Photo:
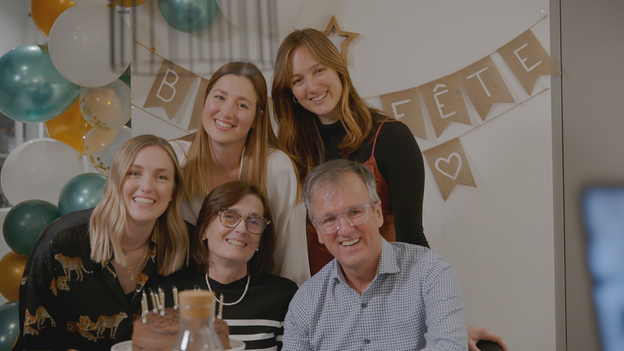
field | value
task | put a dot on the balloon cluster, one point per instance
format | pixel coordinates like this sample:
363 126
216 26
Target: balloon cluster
84 102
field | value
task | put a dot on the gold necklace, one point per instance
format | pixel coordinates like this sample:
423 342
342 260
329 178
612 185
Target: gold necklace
141 264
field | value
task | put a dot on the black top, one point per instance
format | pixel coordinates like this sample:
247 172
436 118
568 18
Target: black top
258 319
400 162
68 301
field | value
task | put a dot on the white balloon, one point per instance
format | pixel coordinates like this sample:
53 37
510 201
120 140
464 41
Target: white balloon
38 169
80 45
244 13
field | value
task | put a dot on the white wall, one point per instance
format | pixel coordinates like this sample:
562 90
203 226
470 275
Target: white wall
499 236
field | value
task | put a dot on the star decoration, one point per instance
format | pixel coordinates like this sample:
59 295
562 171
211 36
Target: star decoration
344 46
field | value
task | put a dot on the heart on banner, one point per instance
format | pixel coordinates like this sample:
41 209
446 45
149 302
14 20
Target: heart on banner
447 161
449 166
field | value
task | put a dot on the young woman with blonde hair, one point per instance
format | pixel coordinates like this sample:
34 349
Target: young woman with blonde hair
235 141
83 281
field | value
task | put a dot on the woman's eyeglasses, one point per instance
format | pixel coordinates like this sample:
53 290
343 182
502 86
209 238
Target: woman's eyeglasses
230 219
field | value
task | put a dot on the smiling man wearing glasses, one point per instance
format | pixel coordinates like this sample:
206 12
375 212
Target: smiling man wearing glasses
374 295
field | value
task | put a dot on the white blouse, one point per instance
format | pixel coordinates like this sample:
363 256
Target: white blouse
289 215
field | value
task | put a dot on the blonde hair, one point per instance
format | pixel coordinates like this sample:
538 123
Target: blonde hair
260 138
298 134
108 219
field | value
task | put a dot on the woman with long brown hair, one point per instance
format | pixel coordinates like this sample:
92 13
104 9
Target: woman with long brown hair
321 117
235 141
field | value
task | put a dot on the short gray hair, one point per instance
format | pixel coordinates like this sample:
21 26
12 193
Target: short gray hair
331 173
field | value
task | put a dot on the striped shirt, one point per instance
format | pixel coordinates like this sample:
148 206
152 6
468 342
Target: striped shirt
258 320
413 303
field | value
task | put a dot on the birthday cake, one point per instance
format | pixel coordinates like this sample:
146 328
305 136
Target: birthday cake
159 331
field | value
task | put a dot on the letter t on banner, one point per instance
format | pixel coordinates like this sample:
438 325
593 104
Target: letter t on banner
405 106
484 85
528 60
449 166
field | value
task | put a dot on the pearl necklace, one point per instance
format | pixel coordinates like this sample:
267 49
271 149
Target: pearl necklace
221 299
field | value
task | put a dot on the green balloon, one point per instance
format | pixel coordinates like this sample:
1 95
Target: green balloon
9 325
81 192
189 16
25 221
31 89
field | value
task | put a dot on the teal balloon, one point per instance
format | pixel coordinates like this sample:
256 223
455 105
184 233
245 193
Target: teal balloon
81 192
9 325
25 221
125 77
31 89
188 16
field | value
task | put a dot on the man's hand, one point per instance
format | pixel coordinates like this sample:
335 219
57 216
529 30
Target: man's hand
476 334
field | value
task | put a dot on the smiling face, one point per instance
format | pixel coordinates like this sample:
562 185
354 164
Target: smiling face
229 110
148 187
234 246
357 248
316 86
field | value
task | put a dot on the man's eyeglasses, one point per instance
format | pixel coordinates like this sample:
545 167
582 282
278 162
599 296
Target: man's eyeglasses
329 223
230 219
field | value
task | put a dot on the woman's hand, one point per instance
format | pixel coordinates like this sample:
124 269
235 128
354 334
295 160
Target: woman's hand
476 334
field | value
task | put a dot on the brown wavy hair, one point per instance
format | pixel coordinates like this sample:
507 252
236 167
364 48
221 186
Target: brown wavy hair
298 134
227 195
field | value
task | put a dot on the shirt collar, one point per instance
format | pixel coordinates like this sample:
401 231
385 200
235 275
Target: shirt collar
387 264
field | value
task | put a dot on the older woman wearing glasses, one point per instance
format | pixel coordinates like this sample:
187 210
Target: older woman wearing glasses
232 251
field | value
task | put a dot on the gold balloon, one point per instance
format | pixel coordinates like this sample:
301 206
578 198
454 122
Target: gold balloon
129 3
11 270
45 12
69 127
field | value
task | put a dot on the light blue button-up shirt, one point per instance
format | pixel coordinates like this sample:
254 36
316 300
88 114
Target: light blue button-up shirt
413 303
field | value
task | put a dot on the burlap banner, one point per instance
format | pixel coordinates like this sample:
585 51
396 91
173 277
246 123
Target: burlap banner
444 102
484 85
528 60
170 90
405 106
449 166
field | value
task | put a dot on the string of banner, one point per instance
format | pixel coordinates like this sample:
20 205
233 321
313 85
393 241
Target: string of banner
443 101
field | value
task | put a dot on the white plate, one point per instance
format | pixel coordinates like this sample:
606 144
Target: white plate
127 346
122 346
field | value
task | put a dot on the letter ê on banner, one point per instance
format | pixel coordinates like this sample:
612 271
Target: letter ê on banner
445 103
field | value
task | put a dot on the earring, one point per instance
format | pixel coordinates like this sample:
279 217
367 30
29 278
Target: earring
295 100
205 240
257 248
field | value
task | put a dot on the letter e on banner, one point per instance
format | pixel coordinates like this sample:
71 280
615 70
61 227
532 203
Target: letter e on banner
405 106
484 85
528 60
170 87
445 103
449 166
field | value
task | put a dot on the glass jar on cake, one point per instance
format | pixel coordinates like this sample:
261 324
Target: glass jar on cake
197 332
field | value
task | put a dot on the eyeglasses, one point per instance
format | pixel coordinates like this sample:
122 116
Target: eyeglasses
329 223
230 219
